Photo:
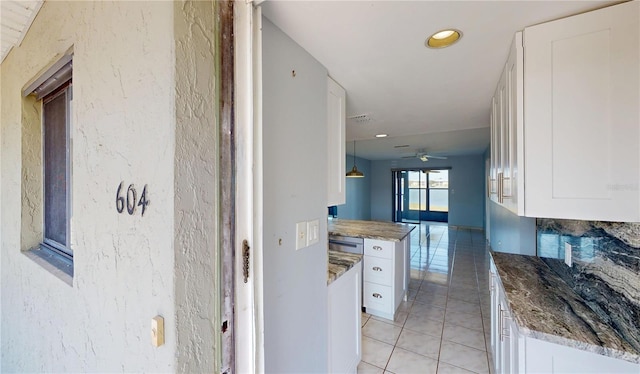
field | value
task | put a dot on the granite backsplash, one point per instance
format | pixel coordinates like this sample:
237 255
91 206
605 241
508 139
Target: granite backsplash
605 271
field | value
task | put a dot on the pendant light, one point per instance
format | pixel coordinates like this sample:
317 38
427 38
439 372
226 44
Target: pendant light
355 173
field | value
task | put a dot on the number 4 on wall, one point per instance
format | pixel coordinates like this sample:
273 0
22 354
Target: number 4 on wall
131 198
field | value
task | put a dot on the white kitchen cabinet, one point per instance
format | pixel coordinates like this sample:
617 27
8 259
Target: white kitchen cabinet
546 357
506 177
345 344
386 276
514 352
505 338
336 142
582 117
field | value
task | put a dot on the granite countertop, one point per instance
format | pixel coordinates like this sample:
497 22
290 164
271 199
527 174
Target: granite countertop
369 229
339 263
546 308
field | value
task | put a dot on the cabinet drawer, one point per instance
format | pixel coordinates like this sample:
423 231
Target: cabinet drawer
378 248
378 297
378 270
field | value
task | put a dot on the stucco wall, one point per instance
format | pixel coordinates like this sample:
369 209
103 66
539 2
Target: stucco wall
124 129
196 189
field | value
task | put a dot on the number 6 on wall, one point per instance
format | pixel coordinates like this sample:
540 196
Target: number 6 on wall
130 201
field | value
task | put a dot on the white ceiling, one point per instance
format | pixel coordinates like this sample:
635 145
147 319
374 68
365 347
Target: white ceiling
15 19
436 100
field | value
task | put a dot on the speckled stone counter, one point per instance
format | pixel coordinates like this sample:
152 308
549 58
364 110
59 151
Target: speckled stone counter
340 263
546 308
369 229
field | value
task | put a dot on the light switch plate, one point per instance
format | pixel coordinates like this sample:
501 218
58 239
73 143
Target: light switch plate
567 254
157 331
313 228
301 235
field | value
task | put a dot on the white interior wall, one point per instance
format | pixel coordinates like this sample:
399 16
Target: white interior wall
124 129
295 142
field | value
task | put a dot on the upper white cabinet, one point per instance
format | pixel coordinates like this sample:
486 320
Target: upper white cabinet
582 116
336 118
506 180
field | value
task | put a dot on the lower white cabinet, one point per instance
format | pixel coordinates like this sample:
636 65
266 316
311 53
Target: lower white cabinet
513 352
506 341
386 276
345 344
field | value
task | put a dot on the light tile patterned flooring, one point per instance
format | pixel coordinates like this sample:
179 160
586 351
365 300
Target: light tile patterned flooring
444 327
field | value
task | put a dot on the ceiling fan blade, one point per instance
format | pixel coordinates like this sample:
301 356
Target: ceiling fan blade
408 157
437 157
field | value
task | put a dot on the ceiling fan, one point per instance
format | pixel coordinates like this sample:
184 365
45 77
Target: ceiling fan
424 156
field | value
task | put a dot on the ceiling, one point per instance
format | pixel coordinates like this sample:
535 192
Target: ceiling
15 19
434 100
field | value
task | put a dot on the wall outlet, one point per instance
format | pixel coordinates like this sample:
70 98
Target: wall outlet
301 235
157 331
313 228
567 254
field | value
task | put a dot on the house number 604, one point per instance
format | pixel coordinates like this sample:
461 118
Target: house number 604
130 200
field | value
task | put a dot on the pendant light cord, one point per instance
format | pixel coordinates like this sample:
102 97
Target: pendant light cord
354 153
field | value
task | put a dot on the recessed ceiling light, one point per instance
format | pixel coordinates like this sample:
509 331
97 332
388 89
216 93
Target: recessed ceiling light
443 38
381 135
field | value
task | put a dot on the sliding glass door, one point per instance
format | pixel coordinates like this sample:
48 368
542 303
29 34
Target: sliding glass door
421 195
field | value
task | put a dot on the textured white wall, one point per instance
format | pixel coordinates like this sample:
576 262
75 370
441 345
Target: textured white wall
123 130
196 189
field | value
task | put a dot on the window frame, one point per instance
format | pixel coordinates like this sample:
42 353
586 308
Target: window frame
63 249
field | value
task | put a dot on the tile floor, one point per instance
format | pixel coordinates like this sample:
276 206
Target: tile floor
444 327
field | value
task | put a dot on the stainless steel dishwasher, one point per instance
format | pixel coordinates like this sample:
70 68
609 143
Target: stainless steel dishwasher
350 245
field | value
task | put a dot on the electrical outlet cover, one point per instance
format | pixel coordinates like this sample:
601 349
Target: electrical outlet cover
567 254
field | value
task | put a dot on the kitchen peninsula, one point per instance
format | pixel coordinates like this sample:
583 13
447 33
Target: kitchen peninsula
385 247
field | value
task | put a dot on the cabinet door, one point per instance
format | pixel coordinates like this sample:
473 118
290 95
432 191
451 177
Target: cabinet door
493 170
494 317
345 348
496 145
379 248
512 181
546 357
336 119
378 270
504 340
503 157
582 117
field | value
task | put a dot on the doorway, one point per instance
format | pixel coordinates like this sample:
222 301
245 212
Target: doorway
420 195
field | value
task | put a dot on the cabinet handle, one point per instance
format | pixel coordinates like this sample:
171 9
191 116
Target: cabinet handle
377 248
377 268
500 321
502 195
500 176
377 295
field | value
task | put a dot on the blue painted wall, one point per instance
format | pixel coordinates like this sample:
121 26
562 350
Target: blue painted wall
466 188
358 191
509 232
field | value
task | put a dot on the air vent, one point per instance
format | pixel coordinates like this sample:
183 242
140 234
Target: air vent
361 118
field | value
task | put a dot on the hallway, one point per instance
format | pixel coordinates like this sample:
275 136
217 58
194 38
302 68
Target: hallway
444 327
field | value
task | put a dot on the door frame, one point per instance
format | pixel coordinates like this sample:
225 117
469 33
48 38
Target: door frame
247 293
423 215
